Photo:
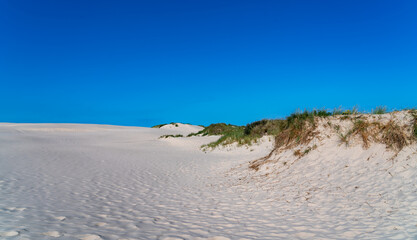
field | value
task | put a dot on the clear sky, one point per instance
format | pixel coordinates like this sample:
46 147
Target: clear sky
148 62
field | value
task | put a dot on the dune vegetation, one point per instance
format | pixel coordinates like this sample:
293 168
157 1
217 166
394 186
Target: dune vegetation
171 136
300 128
161 125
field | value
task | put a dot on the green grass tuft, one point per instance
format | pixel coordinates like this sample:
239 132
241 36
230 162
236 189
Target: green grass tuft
242 135
216 129
229 134
353 111
379 110
337 111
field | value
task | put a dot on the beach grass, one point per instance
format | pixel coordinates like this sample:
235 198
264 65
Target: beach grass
300 128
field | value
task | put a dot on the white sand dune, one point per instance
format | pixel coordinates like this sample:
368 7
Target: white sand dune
107 182
180 128
69 181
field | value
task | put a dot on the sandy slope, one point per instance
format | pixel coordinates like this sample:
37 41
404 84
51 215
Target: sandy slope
107 182
92 182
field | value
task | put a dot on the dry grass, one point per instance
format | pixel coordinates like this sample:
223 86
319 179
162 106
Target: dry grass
297 129
302 152
300 129
255 165
365 130
394 136
295 136
414 123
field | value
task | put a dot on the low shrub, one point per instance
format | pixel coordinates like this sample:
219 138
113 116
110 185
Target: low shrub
159 125
170 135
216 129
264 127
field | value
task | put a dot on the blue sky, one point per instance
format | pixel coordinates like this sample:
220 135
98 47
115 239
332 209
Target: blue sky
147 62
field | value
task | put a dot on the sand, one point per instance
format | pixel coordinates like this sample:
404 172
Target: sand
71 181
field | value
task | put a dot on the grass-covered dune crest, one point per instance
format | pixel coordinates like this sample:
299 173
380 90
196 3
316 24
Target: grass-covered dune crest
394 129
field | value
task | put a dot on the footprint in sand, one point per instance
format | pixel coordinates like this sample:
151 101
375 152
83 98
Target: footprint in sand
52 234
100 224
305 235
60 218
9 234
218 238
349 234
89 237
199 232
13 209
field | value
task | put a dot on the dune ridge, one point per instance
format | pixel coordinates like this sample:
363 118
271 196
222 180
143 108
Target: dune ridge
70 181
